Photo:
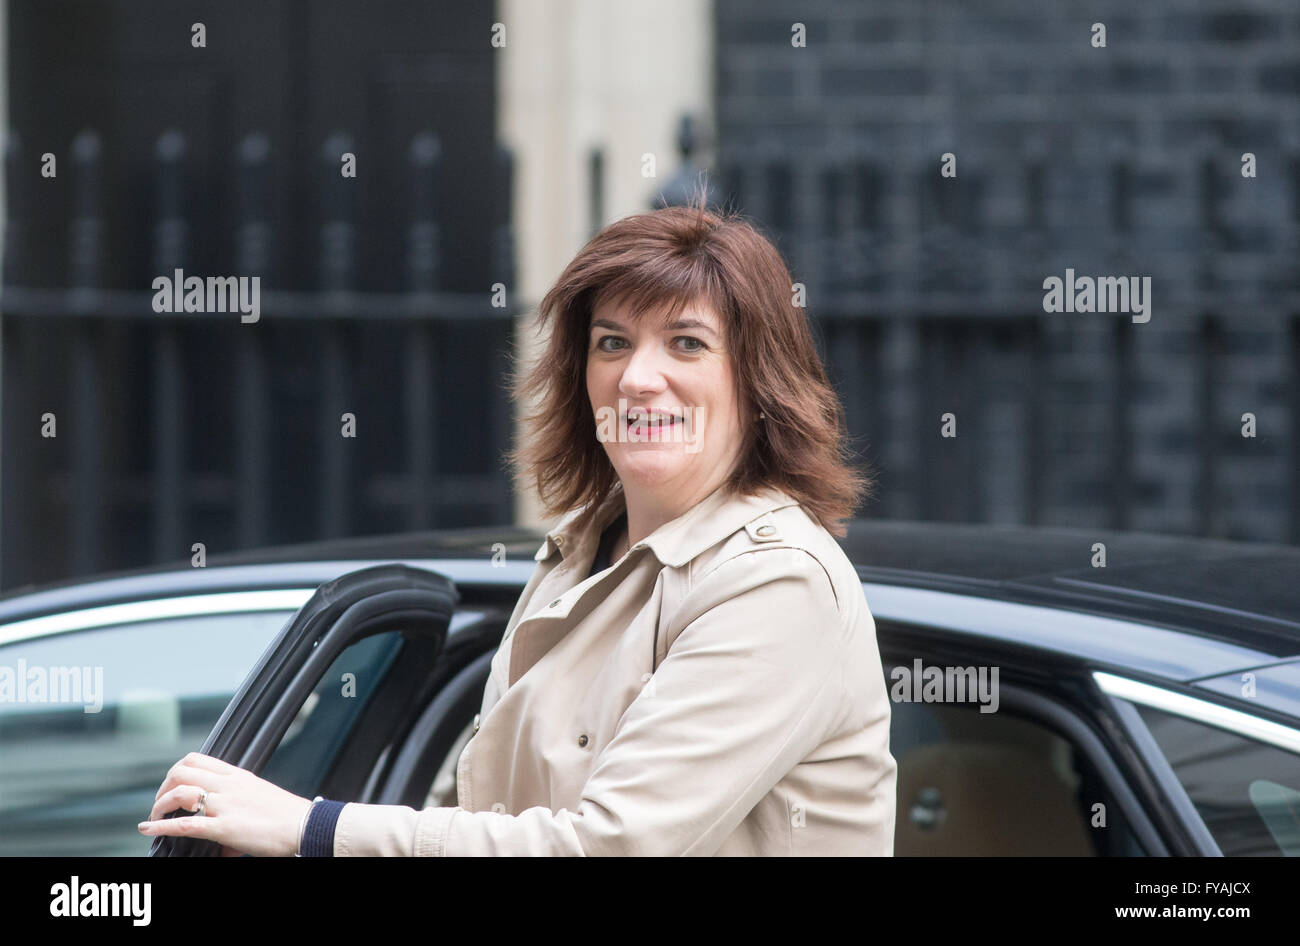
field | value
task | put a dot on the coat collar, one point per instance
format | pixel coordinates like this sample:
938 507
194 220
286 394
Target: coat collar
674 543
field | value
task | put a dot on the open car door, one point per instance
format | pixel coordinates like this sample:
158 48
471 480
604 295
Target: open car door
336 697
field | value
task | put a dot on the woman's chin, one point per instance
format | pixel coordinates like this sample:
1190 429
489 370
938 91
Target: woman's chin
648 468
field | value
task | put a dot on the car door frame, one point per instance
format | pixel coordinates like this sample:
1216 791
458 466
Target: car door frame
417 603
431 738
1055 692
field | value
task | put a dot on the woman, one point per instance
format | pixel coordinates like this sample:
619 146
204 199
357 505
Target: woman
692 667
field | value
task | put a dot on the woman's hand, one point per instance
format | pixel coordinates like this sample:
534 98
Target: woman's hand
244 814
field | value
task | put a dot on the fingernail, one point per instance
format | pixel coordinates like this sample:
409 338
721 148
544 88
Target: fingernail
143 826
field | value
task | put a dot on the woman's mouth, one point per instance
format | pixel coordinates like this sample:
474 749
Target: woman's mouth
650 420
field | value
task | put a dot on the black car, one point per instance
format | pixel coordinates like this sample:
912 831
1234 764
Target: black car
1055 692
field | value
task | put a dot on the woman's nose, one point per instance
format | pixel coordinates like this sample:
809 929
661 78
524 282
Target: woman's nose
643 373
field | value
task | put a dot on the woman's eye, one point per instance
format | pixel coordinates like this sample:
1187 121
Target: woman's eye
695 343
601 342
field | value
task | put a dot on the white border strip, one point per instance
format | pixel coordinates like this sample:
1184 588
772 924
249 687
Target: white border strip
1203 711
289 599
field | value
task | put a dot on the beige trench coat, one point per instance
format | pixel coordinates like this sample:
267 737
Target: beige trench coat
717 691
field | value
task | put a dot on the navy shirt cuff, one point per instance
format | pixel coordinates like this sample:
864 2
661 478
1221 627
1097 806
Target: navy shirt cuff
318 836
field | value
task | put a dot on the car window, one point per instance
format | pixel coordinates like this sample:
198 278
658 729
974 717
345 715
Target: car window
995 784
312 743
91 720
1247 792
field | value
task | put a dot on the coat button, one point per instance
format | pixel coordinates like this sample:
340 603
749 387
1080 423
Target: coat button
476 715
582 740
765 530
554 603
559 540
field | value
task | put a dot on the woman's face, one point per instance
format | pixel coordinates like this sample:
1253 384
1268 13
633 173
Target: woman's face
663 395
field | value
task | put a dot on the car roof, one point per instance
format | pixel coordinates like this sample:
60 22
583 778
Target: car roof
1242 594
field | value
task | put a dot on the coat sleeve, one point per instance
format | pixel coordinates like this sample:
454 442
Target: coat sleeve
751 684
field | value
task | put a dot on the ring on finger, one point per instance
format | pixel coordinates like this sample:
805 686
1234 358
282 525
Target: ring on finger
203 803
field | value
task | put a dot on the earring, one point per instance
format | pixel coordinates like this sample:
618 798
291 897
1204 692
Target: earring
761 415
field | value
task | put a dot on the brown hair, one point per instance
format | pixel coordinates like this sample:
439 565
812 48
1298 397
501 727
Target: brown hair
664 260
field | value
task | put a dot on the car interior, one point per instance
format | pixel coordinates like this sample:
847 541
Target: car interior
995 784
969 784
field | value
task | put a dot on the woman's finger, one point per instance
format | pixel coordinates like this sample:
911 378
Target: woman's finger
186 775
200 761
182 796
186 768
192 826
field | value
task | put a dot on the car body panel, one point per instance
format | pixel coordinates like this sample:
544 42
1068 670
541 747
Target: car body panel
1148 649
1276 687
1140 648
1243 594
1187 615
